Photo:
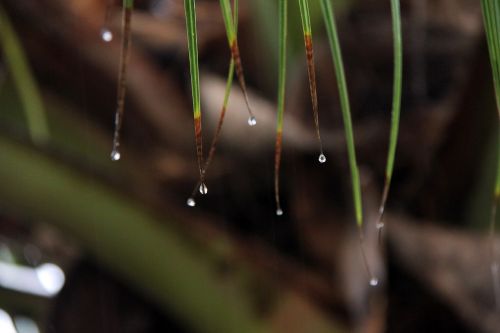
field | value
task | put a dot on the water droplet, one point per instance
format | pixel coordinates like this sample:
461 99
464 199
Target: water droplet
115 155
373 282
203 188
322 158
106 35
252 121
279 211
380 225
190 202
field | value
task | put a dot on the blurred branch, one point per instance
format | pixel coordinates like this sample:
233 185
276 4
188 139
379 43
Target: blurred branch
26 86
125 237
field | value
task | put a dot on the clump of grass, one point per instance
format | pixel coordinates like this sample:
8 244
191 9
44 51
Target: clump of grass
491 14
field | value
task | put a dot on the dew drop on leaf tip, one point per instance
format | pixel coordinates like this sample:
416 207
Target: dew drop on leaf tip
190 202
115 155
252 121
106 35
322 158
203 188
279 211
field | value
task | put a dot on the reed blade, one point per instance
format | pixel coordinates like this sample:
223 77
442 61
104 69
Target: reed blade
122 76
283 27
232 36
311 70
396 107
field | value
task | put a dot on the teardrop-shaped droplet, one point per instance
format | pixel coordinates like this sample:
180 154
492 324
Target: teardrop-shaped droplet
279 211
373 282
322 158
106 35
252 121
203 188
190 202
115 155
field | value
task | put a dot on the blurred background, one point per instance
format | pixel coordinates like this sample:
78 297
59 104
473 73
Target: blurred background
91 245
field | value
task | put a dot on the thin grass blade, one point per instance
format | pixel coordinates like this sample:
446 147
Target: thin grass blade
311 70
283 28
128 6
23 79
232 36
192 37
396 107
331 29
213 146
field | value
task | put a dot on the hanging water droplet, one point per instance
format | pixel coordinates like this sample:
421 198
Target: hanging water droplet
106 35
279 211
252 121
115 155
203 188
190 202
322 158
373 282
380 225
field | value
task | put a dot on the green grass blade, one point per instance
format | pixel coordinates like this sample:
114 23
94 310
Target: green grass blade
190 10
491 14
23 78
122 76
283 27
213 146
231 30
331 29
396 105
308 41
